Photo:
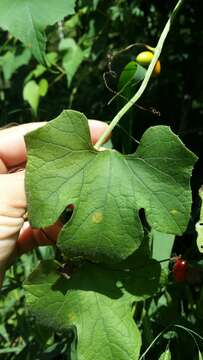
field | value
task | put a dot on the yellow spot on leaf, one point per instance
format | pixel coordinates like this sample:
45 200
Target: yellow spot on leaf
71 317
174 212
97 217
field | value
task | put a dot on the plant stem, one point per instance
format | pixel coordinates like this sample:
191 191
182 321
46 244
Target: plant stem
145 81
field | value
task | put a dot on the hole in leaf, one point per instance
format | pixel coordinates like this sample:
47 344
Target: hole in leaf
66 214
143 220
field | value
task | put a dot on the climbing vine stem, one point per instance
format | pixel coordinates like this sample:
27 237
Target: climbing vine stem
133 100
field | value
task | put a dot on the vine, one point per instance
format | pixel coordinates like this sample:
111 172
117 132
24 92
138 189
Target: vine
157 52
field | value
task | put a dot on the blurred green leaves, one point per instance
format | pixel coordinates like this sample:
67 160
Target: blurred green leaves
72 57
27 21
10 62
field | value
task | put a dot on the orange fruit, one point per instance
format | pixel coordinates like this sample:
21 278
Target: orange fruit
145 57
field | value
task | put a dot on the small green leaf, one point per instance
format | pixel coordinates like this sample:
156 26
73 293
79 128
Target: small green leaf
43 87
131 75
93 303
107 188
31 95
33 91
72 58
199 224
27 20
166 355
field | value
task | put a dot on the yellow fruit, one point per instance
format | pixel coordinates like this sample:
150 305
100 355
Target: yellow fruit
145 57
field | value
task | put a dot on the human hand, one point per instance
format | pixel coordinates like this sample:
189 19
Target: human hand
16 235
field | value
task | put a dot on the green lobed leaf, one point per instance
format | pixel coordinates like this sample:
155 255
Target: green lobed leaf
94 303
107 188
27 20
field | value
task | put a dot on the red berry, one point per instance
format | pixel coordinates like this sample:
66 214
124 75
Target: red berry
180 270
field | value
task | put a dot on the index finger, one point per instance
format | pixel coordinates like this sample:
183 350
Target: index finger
12 144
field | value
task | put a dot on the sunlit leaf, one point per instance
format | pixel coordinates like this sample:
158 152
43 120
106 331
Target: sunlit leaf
107 188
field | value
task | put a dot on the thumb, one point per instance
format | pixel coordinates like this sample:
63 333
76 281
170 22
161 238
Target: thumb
12 209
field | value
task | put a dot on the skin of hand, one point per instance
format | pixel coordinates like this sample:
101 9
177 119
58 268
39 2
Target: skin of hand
16 235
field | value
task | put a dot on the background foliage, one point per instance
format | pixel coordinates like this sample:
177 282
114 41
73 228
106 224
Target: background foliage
78 50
